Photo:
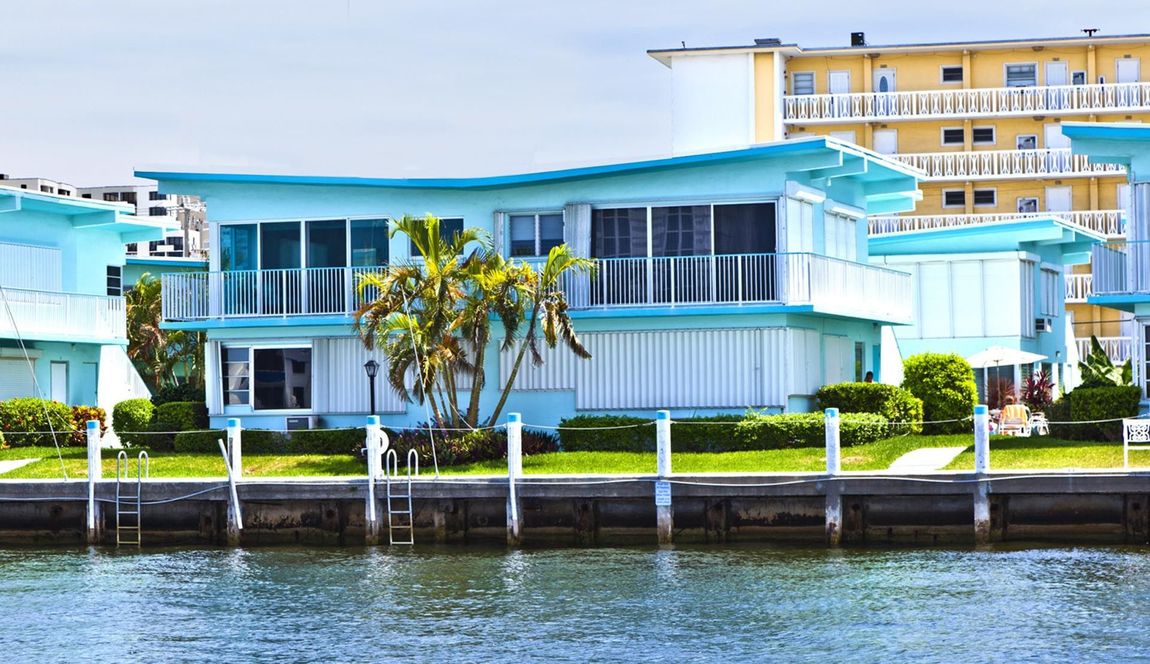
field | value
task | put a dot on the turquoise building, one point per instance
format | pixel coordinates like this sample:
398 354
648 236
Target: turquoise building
726 281
62 324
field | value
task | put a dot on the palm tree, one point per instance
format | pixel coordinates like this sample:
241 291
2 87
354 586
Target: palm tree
157 352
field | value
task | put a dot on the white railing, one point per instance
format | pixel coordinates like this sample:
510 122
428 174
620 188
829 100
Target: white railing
1121 268
1117 348
1104 222
47 314
1079 287
1006 164
827 284
915 105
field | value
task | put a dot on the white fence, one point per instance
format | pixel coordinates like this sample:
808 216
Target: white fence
984 102
1004 164
1079 287
1121 268
62 315
1118 348
1105 222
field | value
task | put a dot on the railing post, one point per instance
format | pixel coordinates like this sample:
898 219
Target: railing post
834 497
663 508
981 467
235 448
95 513
372 524
514 471
236 466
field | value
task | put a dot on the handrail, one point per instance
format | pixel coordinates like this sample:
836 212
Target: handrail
77 315
1106 222
1001 164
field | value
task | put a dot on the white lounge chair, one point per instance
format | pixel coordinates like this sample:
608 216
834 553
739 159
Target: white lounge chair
1014 420
1135 436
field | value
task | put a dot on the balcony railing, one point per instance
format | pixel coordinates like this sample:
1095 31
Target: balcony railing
1104 222
1006 164
827 284
976 102
70 316
1079 287
1118 348
1121 268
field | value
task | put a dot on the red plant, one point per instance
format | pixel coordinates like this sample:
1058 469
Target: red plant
1038 390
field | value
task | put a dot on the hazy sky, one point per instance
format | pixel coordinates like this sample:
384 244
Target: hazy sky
91 90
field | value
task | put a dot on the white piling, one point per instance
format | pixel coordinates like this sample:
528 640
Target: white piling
373 530
235 448
95 514
834 498
663 507
981 468
514 471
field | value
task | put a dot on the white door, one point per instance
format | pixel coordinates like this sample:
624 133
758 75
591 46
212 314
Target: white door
60 382
1058 199
1053 136
886 141
1057 162
884 80
838 82
1056 74
1127 70
848 136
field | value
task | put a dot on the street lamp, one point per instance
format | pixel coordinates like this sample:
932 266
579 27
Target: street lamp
372 368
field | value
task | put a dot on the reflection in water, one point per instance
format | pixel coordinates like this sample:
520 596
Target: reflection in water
442 604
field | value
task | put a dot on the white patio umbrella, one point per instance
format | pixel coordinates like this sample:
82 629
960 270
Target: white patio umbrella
997 356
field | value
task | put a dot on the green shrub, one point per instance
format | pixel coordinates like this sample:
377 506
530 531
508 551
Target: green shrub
615 433
252 441
176 416
945 384
29 421
704 434
327 441
898 406
1086 404
80 417
132 415
181 392
772 432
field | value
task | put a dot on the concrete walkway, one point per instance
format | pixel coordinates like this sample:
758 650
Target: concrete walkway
13 464
926 460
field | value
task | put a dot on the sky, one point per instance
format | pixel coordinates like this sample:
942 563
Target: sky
90 91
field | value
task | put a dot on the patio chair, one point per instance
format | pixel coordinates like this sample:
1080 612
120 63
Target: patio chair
1039 424
1135 436
1014 420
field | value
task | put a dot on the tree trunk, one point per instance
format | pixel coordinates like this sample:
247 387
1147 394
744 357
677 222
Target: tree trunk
515 368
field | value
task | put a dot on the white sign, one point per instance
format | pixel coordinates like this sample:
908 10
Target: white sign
662 494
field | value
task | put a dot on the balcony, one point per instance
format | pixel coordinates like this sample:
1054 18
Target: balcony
957 104
1104 222
827 285
1118 348
51 316
1006 165
1079 287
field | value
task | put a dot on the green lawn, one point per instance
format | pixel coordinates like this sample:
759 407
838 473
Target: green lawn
1044 453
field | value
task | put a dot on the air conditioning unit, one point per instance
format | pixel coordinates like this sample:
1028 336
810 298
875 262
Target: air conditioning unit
1043 324
301 423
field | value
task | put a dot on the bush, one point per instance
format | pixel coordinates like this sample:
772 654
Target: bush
326 441
181 392
630 434
80 417
176 416
132 415
252 441
28 421
703 434
772 432
901 408
1085 404
454 447
945 384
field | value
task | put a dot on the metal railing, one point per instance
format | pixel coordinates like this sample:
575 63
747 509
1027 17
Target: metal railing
1121 268
1119 349
828 284
1006 164
975 102
1104 222
1079 287
52 314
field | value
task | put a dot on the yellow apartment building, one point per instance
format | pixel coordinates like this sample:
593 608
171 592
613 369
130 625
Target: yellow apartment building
982 119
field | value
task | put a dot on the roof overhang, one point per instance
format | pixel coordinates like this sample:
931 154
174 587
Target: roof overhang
1024 235
1112 143
83 214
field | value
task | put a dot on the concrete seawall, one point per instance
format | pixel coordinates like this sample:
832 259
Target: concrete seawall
602 510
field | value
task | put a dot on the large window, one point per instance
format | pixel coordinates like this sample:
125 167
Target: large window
327 243
236 376
682 230
745 228
619 232
535 234
115 279
238 247
1021 76
369 242
267 378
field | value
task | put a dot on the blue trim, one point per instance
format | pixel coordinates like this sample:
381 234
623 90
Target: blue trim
190 262
1123 302
513 417
832 412
1105 130
995 236
980 409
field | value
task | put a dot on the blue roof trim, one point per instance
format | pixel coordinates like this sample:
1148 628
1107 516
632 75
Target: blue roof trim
1005 235
1105 130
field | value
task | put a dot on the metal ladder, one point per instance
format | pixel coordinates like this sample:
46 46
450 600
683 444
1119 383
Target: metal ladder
128 503
400 521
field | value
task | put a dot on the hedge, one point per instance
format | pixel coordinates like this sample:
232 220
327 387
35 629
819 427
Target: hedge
253 441
132 415
180 392
326 441
945 383
898 406
615 433
1085 404
176 416
773 432
28 421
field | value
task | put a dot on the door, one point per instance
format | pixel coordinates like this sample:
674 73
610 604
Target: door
1060 160
839 83
1059 199
1127 70
1057 74
886 141
59 390
884 82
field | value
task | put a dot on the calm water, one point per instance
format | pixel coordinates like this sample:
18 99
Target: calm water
741 604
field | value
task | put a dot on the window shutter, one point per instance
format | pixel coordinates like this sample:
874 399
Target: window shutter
577 228
500 226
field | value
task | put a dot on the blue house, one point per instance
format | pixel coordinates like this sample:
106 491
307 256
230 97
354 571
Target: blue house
726 280
62 324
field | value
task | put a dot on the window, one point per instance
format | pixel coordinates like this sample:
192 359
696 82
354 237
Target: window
1051 293
619 232
281 378
953 198
952 73
1026 142
1026 281
1028 204
238 247
803 83
953 136
85 195
157 196
369 242
985 197
744 228
449 227
535 234
157 212
64 192
128 197
115 280
46 189
983 136
132 248
683 230
112 196
1078 78
1021 76
860 361
236 376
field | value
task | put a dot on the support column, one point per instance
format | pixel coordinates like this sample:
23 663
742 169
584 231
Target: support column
373 524
981 468
834 498
514 472
95 511
664 510
235 463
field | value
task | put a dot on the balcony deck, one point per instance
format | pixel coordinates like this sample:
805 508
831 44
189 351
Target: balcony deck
970 103
819 283
53 316
1104 222
1006 165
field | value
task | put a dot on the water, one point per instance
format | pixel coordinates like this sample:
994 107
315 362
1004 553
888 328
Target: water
455 604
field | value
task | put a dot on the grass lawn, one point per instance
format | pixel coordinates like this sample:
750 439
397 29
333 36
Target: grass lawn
1045 453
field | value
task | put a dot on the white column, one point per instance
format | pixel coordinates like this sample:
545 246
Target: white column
981 467
514 471
664 511
235 448
372 524
834 498
95 514
831 418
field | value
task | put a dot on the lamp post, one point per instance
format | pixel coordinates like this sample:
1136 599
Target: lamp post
372 368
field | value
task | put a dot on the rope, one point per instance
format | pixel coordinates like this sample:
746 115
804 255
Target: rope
559 428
